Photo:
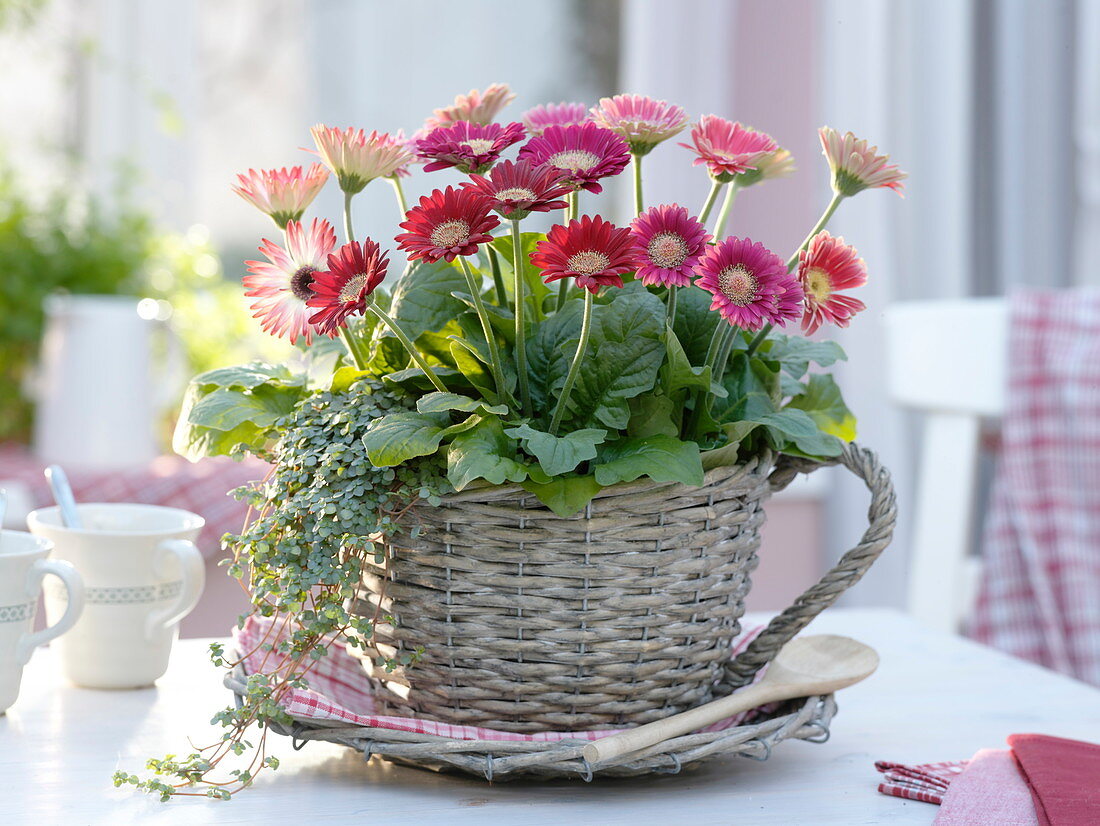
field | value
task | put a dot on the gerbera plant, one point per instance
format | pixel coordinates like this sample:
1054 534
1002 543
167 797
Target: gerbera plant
660 352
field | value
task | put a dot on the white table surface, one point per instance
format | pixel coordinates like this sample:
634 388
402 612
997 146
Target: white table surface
935 697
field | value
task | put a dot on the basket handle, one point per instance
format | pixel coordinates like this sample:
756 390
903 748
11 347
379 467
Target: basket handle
882 515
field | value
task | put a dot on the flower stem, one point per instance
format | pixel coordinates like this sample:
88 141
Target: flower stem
758 339
574 368
637 165
353 348
498 279
486 328
404 339
521 327
724 213
722 357
670 308
570 214
708 204
348 231
820 225
402 204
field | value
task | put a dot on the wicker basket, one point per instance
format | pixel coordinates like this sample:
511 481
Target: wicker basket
618 616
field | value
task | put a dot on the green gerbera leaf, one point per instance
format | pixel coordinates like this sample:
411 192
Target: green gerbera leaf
824 404
398 437
564 495
483 452
661 458
559 454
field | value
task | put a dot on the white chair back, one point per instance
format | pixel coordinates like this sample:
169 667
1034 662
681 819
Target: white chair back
949 361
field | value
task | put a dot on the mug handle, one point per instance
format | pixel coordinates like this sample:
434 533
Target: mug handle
74 585
194 578
881 517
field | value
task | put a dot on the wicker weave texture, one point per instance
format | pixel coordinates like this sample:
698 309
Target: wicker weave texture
528 621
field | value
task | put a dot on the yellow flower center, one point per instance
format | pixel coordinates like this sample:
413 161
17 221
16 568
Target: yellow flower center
667 250
351 290
516 193
450 233
589 262
574 160
738 284
819 285
478 145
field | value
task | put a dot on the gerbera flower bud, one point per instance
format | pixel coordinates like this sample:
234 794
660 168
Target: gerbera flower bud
856 166
728 149
354 271
591 250
476 107
357 158
586 153
779 164
283 194
468 146
517 189
284 283
825 267
641 121
669 243
538 118
448 223
750 284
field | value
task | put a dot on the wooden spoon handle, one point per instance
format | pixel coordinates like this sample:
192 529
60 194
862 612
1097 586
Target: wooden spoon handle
608 748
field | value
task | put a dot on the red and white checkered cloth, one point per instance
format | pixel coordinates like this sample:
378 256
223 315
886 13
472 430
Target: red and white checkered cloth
339 691
1040 592
926 782
202 487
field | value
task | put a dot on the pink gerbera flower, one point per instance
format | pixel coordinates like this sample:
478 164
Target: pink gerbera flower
825 267
728 149
586 153
283 284
747 281
476 107
539 118
517 189
470 147
669 244
353 272
409 145
283 194
357 157
856 166
446 224
641 121
593 251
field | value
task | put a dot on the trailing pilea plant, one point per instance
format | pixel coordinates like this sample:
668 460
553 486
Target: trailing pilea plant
656 356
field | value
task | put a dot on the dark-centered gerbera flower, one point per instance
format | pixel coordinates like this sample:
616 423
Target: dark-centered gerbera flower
448 223
470 147
591 250
586 153
354 271
517 189
670 243
747 281
283 284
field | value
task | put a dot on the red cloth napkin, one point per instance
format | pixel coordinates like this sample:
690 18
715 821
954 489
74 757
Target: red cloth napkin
926 782
1063 777
991 791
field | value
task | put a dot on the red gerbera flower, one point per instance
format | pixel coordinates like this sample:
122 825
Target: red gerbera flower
515 190
447 223
728 149
282 284
824 267
353 273
670 243
585 152
469 146
593 251
748 282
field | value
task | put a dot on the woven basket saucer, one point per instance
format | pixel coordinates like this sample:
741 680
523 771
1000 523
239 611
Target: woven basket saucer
804 719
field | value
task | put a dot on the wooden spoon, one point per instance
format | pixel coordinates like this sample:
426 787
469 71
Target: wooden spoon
804 667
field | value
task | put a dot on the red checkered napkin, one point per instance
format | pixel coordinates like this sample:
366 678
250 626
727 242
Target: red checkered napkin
338 691
926 782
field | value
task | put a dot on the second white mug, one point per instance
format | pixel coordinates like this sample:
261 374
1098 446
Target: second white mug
142 575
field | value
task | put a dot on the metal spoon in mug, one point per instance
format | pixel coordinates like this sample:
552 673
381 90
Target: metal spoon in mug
63 495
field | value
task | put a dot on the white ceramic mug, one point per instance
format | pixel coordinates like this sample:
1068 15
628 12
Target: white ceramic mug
142 575
23 566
